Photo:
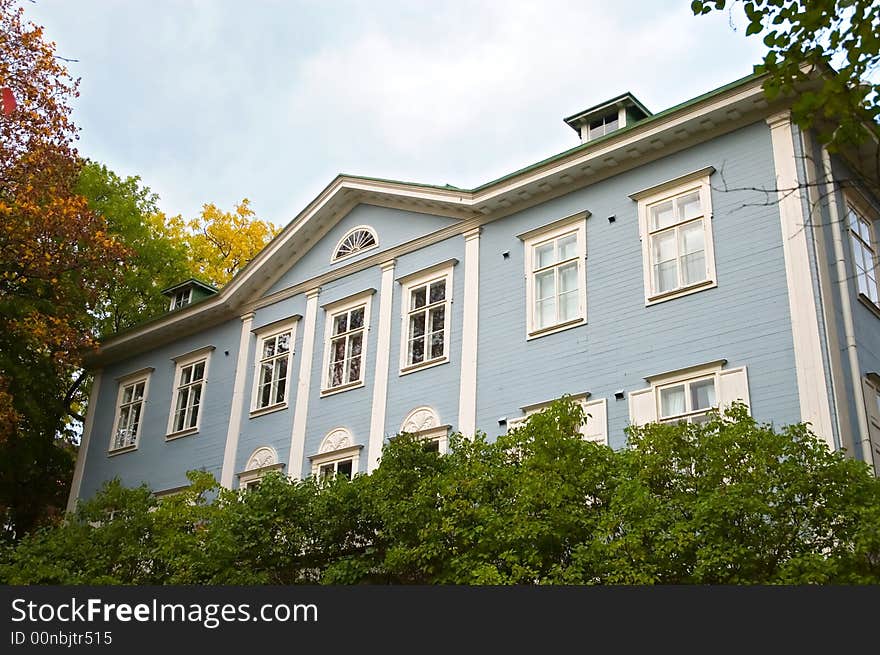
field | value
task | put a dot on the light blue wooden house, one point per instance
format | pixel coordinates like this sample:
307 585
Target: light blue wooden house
667 264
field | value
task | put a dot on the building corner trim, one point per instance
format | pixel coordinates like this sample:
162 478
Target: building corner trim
83 451
383 361
234 429
467 398
303 386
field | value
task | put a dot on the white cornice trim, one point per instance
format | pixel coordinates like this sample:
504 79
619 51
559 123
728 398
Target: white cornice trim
473 208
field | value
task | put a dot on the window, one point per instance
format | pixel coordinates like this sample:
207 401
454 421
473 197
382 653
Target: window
424 423
181 298
864 249
262 461
345 343
688 401
189 386
603 126
337 455
595 427
355 240
555 276
129 410
427 310
871 385
272 367
689 394
677 247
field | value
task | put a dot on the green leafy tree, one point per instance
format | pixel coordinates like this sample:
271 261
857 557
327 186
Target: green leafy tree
805 34
726 502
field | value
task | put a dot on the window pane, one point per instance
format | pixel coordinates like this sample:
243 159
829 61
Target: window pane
437 345
268 348
546 314
354 344
567 247
127 394
199 371
568 280
568 306
865 231
545 285
343 468
354 369
853 218
336 371
416 351
337 353
265 395
340 324
665 269
284 342
357 319
326 470
693 268
689 206
544 255
124 414
138 391
418 298
872 288
662 215
186 375
279 391
610 124
702 394
417 325
672 401
863 281
438 291
437 318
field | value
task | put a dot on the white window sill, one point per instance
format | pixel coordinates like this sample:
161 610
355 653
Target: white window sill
870 304
412 368
341 388
267 410
552 329
180 434
121 451
681 291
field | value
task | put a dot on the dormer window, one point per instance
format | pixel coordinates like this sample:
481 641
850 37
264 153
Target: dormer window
181 298
603 126
355 240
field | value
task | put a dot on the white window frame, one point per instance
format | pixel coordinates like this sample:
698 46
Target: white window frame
181 362
575 224
648 198
598 132
424 424
868 216
131 379
583 399
332 310
178 300
263 334
262 461
335 257
409 284
689 414
336 447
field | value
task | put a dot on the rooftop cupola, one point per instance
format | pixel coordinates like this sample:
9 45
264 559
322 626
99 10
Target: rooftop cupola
604 118
187 292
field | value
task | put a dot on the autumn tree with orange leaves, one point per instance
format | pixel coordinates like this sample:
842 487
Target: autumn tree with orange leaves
55 255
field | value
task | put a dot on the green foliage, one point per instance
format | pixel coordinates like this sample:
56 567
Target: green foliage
157 259
800 34
727 502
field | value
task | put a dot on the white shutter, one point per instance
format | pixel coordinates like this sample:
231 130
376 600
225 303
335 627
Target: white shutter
733 386
513 423
596 427
642 408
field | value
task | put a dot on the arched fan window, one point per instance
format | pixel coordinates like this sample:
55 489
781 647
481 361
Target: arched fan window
355 240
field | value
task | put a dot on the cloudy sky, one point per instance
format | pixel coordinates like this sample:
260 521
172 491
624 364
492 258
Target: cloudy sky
214 101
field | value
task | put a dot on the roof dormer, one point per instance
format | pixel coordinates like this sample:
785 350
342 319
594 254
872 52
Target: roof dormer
187 292
602 119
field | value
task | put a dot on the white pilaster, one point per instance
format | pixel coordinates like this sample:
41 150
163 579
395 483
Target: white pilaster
300 412
810 369
467 399
383 356
84 443
238 402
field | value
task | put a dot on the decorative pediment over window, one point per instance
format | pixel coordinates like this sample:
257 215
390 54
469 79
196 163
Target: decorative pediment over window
261 458
355 240
337 440
420 420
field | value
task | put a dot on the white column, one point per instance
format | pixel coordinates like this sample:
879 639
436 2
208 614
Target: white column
300 412
467 399
238 402
810 369
383 356
84 443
